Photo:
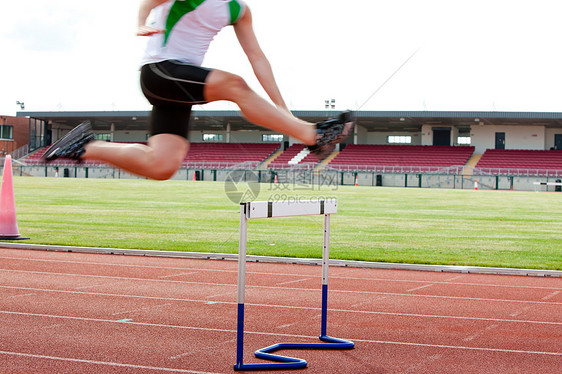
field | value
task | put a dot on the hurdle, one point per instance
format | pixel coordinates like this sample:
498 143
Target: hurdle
556 184
270 209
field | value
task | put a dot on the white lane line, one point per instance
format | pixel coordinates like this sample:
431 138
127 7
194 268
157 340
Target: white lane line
295 281
144 309
520 311
460 347
419 288
445 282
293 335
205 349
331 310
22 295
90 286
481 332
286 325
289 288
209 297
550 296
177 275
104 363
454 278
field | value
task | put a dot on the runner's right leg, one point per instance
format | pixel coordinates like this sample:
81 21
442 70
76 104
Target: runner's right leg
221 85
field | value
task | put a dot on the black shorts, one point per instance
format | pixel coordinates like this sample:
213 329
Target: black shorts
172 88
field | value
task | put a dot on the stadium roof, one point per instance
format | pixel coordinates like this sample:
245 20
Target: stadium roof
408 121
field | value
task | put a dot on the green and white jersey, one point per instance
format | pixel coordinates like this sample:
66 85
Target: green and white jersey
190 27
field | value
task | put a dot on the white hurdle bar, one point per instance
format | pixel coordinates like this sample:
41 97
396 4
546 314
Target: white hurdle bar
557 184
270 209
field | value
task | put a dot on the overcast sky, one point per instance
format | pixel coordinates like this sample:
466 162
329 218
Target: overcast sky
483 55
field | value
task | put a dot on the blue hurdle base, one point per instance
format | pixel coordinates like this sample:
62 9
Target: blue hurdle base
284 362
287 363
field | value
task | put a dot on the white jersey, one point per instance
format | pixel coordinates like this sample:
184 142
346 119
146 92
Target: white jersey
190 27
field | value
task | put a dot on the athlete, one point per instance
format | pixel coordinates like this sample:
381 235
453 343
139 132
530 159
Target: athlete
172 79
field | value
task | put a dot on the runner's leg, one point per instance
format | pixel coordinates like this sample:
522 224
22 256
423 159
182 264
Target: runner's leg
221 85
159 159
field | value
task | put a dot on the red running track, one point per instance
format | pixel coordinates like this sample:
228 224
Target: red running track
92 313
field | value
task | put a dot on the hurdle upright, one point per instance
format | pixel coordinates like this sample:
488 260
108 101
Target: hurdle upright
270 209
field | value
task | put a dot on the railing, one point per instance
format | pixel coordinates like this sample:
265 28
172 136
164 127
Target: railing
248 165
62 163
381 169
14 162
285 165
20 152
394 169
518 172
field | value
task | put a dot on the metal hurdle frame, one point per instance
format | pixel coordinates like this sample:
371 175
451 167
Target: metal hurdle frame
270 209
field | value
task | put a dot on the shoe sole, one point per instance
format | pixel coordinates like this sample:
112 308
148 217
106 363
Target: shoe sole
51 152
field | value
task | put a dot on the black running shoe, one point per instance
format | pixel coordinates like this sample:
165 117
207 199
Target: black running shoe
330 133
72 144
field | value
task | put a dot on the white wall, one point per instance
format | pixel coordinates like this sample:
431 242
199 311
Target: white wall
426 135
361 134
197 136
454 135
235 136
380 137
516 137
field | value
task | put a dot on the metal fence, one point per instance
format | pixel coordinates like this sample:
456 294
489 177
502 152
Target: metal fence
311 177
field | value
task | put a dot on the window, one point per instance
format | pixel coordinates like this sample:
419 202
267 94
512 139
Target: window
272 138
103 137
463 140
6 131
399 139
212 137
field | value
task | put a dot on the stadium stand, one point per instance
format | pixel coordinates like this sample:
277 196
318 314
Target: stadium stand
282 161
310 159
418 157
520 162
364 157
228 154
289 153
215 155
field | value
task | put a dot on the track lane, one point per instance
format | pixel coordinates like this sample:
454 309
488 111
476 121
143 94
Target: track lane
419 319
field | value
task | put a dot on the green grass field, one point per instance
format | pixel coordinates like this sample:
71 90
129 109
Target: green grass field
426 226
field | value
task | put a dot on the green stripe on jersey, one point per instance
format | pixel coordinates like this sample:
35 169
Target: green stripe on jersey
235 10
177 11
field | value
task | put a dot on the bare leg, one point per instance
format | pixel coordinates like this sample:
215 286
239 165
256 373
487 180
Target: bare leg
221 85
160 159
164 153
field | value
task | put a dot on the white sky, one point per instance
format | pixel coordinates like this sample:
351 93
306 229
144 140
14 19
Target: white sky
484 55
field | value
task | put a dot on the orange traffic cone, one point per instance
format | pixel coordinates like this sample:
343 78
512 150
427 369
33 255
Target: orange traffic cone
356 181
8 224
476 185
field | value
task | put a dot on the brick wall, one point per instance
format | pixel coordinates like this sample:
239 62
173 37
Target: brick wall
20 133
